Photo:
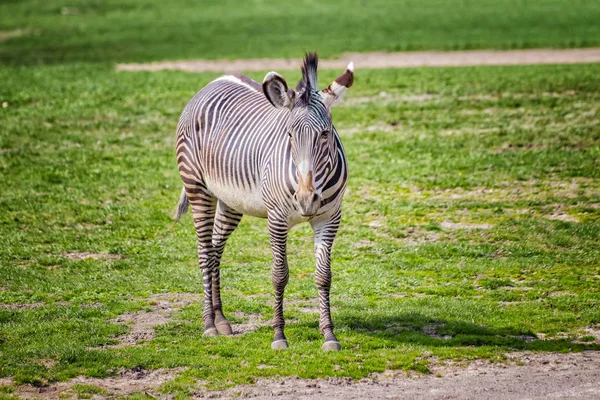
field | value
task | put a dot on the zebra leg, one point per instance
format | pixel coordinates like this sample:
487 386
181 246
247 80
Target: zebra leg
278 231
203 209
325 232
226 220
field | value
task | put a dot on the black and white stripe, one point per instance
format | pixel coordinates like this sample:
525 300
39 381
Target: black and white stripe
246 148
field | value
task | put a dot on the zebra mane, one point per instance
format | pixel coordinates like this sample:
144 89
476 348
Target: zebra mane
308 83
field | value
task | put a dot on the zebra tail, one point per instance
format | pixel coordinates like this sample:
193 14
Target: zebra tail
182 206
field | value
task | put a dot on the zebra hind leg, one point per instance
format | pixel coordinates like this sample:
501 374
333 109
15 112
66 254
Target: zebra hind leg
226 220
203 209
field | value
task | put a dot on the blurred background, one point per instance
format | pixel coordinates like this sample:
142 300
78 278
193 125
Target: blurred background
54 31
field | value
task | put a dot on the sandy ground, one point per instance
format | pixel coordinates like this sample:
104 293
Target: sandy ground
523 376
125 383
384 60
541 376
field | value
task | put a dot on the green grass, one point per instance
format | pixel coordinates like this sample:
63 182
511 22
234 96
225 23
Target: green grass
450 245
53 31
87 391
471 223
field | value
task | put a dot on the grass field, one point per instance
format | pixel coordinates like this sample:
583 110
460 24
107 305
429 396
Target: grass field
471 224
54 31
471 227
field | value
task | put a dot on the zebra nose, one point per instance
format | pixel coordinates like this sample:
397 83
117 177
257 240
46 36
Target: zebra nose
308 202
316 198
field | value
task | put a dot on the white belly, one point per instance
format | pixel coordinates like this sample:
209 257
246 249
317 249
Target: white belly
248 202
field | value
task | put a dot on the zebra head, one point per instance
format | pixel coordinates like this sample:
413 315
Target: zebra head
310 128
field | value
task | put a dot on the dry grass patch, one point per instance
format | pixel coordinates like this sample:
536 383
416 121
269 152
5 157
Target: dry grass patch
561 216
593 331
432 331
464 225
31 306
378 127
142 323
532 189
15 33
415 236
127 382
387 98
549 375
23 306
253 322
93 256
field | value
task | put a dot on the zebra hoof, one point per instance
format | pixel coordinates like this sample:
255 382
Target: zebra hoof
224 328
279 345
210 332
331 345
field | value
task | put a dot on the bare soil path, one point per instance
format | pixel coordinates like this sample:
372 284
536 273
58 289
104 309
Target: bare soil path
525 376
384 60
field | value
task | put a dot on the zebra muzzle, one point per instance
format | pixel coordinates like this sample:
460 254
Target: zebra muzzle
309 201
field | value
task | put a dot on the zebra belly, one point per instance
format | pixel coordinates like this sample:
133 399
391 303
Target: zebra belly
244 201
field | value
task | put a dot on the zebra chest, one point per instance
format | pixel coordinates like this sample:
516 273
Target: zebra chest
247 201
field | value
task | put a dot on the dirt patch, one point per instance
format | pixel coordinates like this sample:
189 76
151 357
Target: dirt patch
94 256
307 306
385 98
511 147
363 244
24 306
161 306
558 212
432 331
48 363
516 191
125 383
6 382
593 331
524 375
374 128
384 60
468 131
416 236
253 322
561 216
463 225
31 306
7 35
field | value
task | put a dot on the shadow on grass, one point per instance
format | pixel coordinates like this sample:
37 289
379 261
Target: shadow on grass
419 329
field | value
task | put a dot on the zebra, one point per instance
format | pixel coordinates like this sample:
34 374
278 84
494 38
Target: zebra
270 152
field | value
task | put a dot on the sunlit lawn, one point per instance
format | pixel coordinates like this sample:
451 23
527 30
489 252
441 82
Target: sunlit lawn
471 226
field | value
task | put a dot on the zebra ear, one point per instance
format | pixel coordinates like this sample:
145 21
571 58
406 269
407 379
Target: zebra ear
276 91
333 93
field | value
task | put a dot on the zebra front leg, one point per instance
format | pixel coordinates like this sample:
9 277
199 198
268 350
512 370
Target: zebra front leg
278 231
203 208
226 220
325 232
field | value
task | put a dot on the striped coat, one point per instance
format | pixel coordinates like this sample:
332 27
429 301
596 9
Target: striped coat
269 152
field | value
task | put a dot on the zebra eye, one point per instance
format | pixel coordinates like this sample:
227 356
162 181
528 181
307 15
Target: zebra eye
324 135
289 133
